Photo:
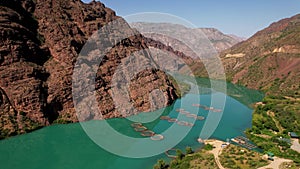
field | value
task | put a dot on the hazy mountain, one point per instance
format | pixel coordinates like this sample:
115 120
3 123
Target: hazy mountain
219 40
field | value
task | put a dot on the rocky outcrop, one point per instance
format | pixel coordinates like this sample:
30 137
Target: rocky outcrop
22 75
39 44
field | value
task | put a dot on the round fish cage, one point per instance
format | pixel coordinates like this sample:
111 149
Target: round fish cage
147 133
179 110
172 120
136 124
200 118
140 128
191 115
182 123
165 117
184 112
217 110
157 137
190 124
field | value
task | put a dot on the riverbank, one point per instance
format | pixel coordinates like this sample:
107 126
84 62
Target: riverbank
231 156
272 120
219 154
217 150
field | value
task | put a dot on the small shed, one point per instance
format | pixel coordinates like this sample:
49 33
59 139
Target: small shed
293 135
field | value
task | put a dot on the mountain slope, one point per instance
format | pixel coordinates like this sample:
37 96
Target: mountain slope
270 60
39 44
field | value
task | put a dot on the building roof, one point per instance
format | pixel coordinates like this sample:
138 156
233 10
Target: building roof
293 134
270 154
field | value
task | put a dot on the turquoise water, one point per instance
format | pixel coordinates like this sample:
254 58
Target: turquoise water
69 147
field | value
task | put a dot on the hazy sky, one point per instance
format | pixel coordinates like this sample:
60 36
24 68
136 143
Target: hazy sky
239 17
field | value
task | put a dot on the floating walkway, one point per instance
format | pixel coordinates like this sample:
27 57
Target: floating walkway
244 142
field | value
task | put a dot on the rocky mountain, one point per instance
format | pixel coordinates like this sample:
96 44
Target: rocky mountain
220 40
217 39
269 60
39 43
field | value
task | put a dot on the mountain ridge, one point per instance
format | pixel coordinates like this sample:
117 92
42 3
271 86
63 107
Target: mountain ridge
271 54
218 39
40 42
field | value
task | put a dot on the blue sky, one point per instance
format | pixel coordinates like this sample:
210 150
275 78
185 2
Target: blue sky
239 17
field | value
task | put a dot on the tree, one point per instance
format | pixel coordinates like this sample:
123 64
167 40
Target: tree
208 147
161 164
189 150
179 154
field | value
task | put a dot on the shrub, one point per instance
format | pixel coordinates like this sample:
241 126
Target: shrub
189 150
179 154
161 164
208 147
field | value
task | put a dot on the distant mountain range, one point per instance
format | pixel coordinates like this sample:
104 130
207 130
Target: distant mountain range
218 39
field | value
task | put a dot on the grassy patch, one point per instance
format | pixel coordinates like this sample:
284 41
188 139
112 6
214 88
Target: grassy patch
201 159
237 157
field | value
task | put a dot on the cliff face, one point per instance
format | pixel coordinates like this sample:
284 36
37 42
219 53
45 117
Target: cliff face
269 60
39 43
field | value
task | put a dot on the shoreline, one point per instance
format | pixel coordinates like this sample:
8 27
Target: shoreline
217 151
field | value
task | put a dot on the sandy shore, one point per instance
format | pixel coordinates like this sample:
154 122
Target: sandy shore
216 151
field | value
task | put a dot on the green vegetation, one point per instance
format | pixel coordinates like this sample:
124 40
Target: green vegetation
161 164
290 165
11 126
201 159
179 154
272 120
237 157
189 150
208 147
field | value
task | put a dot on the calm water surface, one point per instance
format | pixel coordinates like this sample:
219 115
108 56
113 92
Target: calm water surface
69 147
